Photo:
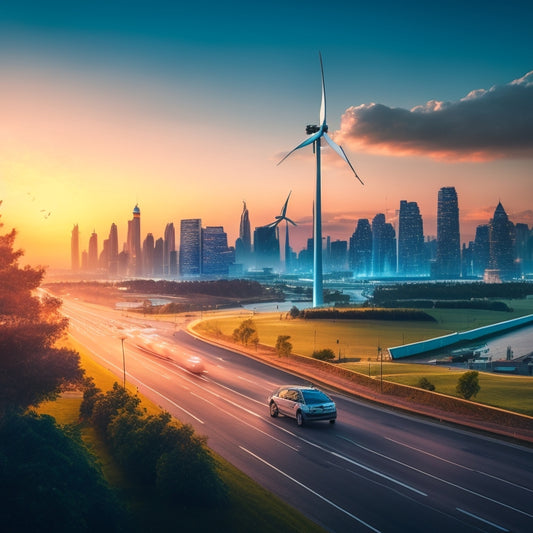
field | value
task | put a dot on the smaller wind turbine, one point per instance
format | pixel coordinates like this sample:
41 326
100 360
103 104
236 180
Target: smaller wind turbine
279 219
317 133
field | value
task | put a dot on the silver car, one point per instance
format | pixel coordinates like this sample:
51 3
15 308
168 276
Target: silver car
303 403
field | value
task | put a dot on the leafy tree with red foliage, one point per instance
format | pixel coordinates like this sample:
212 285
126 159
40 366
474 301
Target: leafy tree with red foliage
32 367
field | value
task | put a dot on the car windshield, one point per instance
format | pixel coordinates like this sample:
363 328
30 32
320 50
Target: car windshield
314 396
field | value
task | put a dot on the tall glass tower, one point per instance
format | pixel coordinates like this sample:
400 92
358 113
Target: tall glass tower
190 247
411 253
75 248
448 264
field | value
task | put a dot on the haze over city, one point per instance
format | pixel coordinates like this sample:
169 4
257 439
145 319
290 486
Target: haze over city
186 109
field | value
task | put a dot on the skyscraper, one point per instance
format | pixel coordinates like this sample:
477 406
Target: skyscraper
216 256
481 250
266 247
92 257
383 247
411 254
361 249
190 247
148 255
113 250
501 241
243 244
75 248
169 246
448 261
134 243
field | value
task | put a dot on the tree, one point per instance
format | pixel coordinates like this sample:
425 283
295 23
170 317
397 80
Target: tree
468 384
32 367
246 333
424 383
283 346
294 312
324 355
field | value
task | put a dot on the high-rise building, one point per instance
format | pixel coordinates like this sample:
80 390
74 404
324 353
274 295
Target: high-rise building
134 243
159 253
361 249
522 248
243 244
148 255
190 256
481 250
448 261
502 243
266 247
411 253
75 248
338 255
169 246
216 256
92 257
383 247
113 250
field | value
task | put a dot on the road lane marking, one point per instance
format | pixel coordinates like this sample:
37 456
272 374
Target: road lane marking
482 520
323 498
437 478
246 423
521 487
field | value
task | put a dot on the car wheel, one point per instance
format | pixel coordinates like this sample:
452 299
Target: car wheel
299 418
273 410
332 421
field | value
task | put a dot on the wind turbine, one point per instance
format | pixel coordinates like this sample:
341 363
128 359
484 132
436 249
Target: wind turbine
279 219
317 133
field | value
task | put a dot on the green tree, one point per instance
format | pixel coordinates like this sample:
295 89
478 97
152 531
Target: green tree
326 354
283 346
32 367
294 312
468 384
246 333
424 383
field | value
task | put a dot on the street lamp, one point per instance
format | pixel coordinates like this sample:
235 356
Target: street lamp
122 339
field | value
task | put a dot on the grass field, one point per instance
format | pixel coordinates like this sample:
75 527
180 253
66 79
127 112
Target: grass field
250 507
357 341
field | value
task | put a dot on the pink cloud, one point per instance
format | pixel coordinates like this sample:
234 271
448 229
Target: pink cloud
484 125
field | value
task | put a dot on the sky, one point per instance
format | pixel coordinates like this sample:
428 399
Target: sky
185 108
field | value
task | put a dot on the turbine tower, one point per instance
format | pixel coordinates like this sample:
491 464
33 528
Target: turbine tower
317 133
279 219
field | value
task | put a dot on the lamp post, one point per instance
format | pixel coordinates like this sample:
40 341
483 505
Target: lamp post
380 353
122 339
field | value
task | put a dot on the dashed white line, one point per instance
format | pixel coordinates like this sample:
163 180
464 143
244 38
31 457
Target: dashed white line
323 498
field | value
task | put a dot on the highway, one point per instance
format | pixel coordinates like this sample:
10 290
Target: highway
374 470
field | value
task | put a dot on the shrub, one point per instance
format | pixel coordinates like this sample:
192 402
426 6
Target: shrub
468 384
283 346
246 333
424 383
294 312
326 354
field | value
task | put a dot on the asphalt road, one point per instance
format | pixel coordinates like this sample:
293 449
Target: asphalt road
374 470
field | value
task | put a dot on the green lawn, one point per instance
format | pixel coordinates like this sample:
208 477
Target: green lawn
358 342
250 507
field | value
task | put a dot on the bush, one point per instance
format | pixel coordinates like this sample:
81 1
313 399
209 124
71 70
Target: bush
246 333
294 312
283 346
326 354
468 384
424 383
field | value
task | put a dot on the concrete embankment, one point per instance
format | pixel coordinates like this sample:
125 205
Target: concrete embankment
416 348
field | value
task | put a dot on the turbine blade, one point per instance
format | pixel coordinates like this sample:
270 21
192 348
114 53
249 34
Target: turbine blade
340 151
323 102
284 208
308 141
289 220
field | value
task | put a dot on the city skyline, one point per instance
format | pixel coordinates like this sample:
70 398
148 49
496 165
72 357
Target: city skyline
187 109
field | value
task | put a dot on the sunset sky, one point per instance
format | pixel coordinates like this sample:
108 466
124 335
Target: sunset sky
186 107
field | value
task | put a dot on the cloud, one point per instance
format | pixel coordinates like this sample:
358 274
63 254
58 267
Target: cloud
484 125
